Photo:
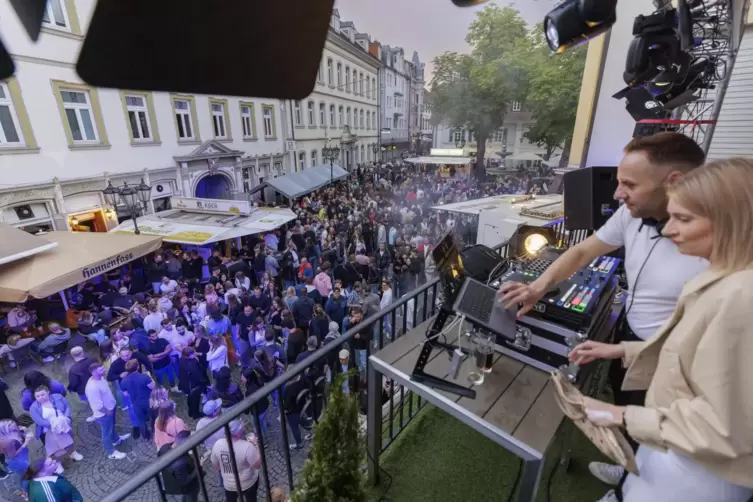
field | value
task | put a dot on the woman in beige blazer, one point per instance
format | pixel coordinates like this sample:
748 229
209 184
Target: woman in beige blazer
696 428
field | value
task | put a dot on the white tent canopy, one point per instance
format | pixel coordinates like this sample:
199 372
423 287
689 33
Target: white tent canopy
440 160
306 181
476 206
525 156
204 221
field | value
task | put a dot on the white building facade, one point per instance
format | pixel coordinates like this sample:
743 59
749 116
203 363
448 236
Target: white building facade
62 141
509 138
342 110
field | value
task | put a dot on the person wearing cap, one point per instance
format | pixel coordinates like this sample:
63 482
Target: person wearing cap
212 409
247 460
350 382
124 300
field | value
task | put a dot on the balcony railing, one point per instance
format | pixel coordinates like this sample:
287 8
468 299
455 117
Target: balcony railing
408 312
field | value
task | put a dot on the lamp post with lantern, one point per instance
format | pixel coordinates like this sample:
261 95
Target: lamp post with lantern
374 149
330 154
134 198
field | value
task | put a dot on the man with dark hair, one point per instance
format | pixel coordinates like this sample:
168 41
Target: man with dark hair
656 271
180 477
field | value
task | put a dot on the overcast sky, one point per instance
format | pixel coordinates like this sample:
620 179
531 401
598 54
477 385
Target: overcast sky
430 27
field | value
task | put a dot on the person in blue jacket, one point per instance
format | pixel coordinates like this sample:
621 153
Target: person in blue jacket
34 379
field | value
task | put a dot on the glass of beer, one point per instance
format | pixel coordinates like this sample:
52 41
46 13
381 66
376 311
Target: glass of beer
482 357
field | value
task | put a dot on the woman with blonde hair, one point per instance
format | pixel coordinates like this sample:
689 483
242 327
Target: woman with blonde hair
696 427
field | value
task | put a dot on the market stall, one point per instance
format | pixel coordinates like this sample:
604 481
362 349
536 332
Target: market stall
206 221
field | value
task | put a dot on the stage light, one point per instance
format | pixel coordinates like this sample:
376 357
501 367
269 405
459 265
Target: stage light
529 241
535 243
576 21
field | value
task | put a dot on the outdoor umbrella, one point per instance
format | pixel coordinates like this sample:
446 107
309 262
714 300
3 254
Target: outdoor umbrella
16 244
78 257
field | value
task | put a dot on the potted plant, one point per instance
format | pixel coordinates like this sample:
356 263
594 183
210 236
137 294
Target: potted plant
332 472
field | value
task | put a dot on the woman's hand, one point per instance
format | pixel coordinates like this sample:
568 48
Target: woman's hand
604 414
590 351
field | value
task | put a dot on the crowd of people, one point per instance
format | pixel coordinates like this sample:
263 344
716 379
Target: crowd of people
212 329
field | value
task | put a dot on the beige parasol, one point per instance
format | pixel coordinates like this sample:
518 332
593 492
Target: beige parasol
78 257
16 244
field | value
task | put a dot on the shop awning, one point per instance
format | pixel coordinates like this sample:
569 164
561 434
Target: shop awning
16 244
439 160
306 181
185 226
77 257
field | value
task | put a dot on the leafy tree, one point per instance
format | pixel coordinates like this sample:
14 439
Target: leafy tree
332 472
473 90
554 90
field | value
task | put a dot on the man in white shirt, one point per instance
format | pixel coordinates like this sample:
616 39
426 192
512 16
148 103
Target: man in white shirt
103 405
153 321
168 286
247 460
212 410
656 271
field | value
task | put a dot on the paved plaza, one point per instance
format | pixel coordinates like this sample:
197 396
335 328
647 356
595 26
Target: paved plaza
96 475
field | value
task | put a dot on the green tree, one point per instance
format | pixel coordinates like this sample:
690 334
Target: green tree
332 472
472 91
553 93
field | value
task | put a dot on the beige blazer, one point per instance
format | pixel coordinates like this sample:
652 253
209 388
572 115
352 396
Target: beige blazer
698 369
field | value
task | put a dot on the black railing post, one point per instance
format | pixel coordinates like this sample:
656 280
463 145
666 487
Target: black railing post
285 442
373 422
200 473
161 490
264 469
233 461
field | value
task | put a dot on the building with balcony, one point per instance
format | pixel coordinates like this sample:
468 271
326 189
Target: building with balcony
63 140
401 90
343 108
508 139
426 139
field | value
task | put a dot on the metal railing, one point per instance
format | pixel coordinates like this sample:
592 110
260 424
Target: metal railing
409 311
412 309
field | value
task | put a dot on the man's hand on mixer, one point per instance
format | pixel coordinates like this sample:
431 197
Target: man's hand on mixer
527 295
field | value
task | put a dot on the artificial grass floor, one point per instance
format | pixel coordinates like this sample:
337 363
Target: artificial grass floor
438 458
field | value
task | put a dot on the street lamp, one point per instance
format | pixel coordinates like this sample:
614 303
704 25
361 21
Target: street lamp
330 154
393 148
134 198
374 149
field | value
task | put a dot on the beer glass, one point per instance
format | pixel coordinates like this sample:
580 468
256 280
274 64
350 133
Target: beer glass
482 356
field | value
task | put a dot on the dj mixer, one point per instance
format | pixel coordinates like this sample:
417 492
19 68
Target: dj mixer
576 301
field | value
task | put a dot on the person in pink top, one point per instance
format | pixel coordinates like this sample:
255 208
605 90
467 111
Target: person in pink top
168 425
322 281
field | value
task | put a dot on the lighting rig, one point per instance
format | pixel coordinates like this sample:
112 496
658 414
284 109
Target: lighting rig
678 54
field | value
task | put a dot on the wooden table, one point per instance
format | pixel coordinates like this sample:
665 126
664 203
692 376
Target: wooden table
514 407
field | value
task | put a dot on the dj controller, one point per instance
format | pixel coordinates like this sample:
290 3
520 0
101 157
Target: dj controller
576 301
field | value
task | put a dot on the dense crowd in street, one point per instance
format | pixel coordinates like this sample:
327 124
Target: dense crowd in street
212 329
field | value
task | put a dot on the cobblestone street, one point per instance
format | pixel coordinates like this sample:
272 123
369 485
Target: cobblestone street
96 475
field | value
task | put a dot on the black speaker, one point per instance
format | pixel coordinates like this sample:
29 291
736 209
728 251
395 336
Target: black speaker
589 197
